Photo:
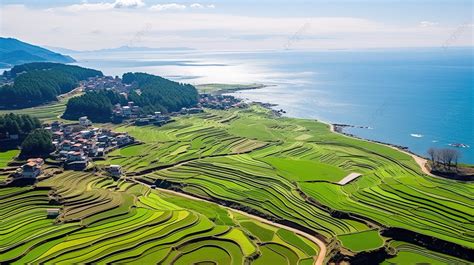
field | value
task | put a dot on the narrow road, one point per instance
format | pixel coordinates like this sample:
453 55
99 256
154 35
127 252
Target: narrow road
318 260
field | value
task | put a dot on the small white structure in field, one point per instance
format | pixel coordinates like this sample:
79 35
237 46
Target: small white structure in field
115 170
52 212
84 121
349 178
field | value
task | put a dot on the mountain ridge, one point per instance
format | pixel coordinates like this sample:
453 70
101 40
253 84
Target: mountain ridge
15 52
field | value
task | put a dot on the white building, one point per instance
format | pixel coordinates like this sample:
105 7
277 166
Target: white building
84 121
115 170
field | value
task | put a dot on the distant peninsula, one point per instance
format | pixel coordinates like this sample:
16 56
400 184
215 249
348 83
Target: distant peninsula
14 52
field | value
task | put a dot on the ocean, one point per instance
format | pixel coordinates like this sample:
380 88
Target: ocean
418 98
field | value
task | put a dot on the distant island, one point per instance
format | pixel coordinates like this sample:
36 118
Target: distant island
14 52
124 48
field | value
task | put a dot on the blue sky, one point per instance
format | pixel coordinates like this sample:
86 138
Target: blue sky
244 24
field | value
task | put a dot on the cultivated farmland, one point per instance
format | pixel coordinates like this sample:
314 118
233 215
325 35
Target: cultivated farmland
287 170
105 221
281 169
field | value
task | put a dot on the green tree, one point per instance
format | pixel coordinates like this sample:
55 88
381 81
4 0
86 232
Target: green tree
37 144
18 124
39 83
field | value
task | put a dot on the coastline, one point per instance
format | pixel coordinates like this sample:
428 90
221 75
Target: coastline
220 89
421 161
339 129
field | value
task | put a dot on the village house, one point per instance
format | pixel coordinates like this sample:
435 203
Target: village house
115 170
66 145
77 147
75 156
32 168
58 136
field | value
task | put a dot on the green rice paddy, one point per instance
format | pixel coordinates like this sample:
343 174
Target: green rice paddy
362 241
7 156
285 169
46 113
275 165
106 221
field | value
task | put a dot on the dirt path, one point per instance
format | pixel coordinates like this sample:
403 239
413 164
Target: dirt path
419 160
318 260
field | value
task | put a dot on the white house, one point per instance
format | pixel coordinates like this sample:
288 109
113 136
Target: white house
115 170
84 121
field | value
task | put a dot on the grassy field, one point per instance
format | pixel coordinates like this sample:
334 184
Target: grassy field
46 113
272 165
7 156
362 241
286 169
225 88
106 221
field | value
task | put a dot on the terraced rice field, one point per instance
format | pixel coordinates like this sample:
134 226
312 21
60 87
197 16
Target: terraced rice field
360 241
7 156
412 254
288 169
46 113
106 221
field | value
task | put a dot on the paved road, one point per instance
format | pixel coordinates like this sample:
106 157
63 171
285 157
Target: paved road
318 260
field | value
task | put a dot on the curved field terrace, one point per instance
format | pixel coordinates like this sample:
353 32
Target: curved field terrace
235 187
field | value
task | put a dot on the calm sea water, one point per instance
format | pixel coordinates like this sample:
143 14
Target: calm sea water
418 98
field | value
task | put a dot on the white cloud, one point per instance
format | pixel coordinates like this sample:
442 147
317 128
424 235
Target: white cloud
426 24
196 5
128 3
95 30
201 6
101 6
164 7
85 7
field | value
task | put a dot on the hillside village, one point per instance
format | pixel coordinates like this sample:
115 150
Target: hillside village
76 146
134 113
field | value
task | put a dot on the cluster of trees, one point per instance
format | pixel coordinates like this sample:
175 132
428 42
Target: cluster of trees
18 124
444 158
80 73
155 94
160 94
97 106
38 141
38 83
37 144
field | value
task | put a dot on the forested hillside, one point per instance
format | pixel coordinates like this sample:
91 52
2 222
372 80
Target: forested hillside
17 124
38 83
153 93
160 94
95 105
